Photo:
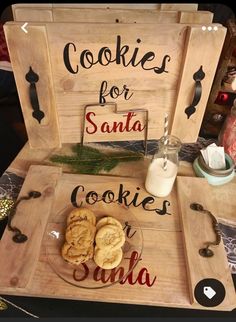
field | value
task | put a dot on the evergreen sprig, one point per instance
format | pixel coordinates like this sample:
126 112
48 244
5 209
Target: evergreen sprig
88 160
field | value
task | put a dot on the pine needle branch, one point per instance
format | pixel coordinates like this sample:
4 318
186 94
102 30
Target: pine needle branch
88 160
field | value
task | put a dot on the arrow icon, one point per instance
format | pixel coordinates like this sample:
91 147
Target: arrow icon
24 27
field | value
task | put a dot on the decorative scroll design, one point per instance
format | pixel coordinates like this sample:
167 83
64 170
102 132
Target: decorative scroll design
33 78
19 237
206 251
198 77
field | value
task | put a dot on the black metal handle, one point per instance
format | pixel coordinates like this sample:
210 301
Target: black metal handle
206 251
33 78
19 237
198 77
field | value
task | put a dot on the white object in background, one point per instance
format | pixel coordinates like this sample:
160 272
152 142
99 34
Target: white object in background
216 157
205 154
159 182
209 292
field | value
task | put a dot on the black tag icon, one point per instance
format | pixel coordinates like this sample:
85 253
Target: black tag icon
209 292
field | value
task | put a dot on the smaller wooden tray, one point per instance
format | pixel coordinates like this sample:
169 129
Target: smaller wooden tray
169 267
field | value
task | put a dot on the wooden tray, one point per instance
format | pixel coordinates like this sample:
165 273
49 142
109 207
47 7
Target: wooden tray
148 70
170 266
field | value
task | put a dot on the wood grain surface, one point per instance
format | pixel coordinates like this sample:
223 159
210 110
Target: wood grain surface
162 263
170 90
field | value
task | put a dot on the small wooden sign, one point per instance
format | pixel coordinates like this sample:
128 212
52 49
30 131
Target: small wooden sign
163 68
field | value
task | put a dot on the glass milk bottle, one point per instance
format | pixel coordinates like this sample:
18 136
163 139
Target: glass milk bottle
163 168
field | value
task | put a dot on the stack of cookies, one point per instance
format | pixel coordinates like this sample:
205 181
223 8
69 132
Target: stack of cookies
79 236
109 240
84 239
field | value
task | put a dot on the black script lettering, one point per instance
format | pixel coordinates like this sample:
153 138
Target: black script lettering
147 200
102 92
132 60
86 55
114 92
128 228
147 57
104 57
106 53
120 51
126 96
67 59
122 195
161 69
88 118
74 195
110 194
162 211
91 197
77 273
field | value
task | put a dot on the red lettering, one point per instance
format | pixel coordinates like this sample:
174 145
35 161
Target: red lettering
118 126
77 273
115 126
102 276
146 278
129 117
116 274
105 128
137 126
91 122
133 259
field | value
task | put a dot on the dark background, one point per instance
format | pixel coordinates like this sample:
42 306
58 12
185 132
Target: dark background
13 137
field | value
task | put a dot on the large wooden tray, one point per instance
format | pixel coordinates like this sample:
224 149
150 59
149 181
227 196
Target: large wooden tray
147 69
170 266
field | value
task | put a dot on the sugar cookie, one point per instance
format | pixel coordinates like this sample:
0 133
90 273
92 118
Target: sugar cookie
110 237
106 221
80 234
81 214
76 256
108 259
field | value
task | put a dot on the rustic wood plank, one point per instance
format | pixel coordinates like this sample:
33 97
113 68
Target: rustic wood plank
102 14
32 14
24 55
197 230
201 17
158 6
179 6
129 16
202 48
31 219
